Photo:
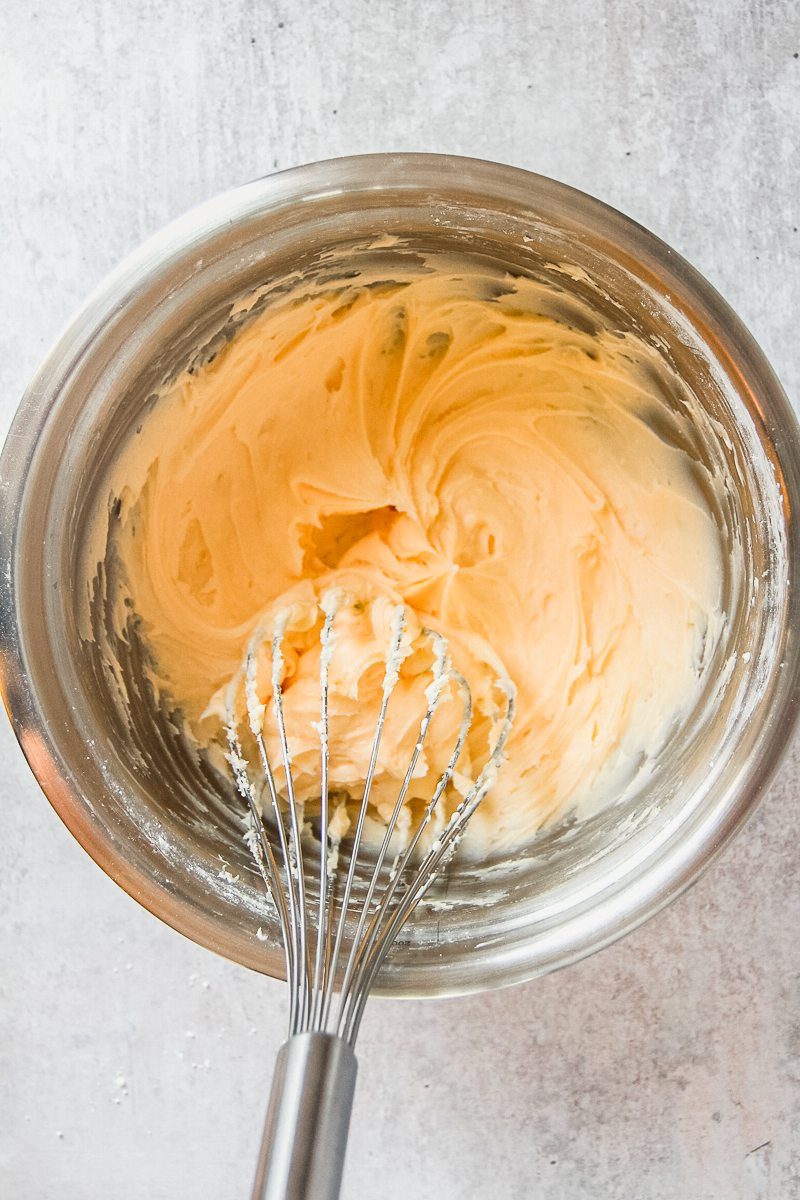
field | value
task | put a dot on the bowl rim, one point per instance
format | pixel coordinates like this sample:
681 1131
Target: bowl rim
711 316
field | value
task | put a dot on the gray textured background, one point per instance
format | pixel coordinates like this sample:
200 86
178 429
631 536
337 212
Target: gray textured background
134 1064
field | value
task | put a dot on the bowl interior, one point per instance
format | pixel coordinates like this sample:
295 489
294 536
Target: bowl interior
111 753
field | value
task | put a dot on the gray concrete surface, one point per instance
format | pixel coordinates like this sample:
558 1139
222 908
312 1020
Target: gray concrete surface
133 1064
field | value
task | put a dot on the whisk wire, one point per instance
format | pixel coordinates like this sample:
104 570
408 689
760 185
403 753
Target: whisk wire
433 695
295 862
330 606
255 712
393 661
258 842
441 850
397 874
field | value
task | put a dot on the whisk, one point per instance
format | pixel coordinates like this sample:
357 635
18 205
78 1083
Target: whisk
334 944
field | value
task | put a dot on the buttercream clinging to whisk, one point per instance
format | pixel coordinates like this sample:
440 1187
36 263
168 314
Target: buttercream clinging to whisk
454 444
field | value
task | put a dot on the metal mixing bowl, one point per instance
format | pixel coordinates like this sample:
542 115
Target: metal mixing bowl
129 790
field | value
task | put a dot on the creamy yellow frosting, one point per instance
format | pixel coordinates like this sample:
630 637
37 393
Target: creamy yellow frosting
465 449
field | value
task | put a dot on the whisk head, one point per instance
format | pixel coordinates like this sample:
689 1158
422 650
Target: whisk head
335 941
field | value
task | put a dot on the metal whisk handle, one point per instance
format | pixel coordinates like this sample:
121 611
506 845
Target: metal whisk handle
305 1132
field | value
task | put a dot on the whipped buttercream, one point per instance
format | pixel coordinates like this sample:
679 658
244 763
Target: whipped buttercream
455 444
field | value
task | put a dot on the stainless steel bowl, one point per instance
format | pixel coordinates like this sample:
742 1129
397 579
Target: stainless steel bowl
146 811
